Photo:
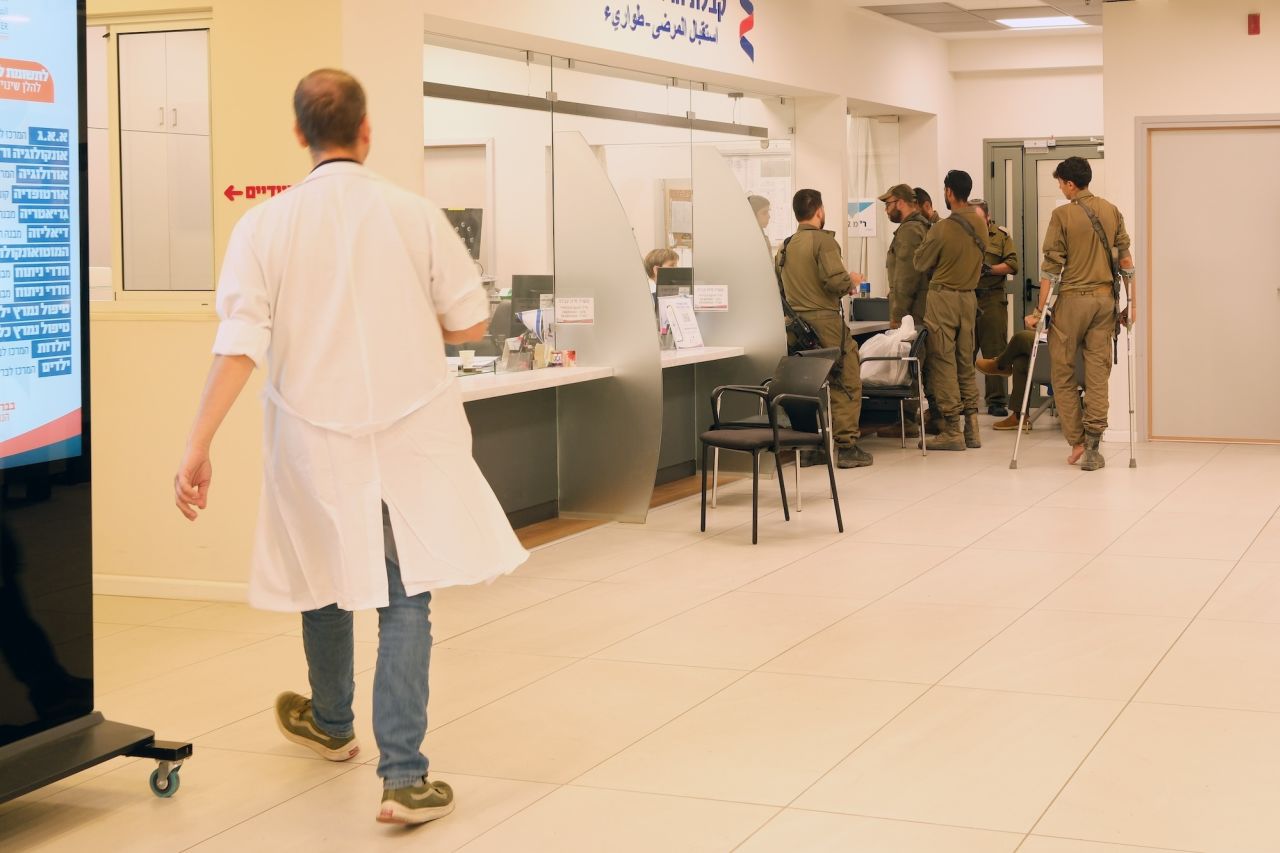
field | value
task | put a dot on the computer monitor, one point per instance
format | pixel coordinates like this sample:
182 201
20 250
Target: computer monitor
675 281
527 291
466 221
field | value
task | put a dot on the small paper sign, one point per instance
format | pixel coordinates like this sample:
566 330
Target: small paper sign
862 217
576 310
676 313
710 297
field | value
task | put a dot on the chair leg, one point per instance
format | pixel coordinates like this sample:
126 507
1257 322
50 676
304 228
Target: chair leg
799 507
902 422
704 488
755 495
924 436
835 496
715 479
782 485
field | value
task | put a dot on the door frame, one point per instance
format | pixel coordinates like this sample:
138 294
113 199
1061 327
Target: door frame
996 153
1145 128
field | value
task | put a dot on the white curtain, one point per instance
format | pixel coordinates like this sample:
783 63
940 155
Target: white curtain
874 166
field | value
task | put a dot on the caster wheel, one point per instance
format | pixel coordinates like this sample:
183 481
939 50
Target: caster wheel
164 786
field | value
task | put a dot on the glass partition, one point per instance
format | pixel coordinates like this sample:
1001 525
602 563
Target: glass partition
488 164
609 432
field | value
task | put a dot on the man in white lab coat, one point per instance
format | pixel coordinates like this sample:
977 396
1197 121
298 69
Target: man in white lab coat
345 289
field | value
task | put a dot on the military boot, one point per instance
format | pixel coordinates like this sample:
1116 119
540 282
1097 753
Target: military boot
951 437
1093 458
972 439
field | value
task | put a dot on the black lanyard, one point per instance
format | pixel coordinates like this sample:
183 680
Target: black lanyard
335 160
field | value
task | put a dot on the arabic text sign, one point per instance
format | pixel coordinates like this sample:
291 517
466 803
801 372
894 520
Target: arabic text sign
697 21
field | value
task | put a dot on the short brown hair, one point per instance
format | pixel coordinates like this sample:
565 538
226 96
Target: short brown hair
805 204
330 106
658 258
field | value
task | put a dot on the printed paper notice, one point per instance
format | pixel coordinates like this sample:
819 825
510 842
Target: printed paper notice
576 310
676 312
710 297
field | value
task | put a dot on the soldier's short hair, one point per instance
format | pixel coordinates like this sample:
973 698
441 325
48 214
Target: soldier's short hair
805 204
977 202
659 258
959 183
329 105
922 196
1076 170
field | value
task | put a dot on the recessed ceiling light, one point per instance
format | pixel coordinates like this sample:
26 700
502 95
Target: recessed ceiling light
1053 22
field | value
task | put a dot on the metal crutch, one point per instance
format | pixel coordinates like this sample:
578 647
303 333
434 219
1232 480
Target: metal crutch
1133 375
1042 330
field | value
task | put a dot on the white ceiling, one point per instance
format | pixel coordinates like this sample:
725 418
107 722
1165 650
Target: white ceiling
977 18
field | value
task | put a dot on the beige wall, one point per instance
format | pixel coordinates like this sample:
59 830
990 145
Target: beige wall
147 370
1178 58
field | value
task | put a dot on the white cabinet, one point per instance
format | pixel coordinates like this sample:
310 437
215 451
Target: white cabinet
164 82
165 170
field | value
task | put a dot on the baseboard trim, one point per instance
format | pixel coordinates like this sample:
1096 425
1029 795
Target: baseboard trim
141 586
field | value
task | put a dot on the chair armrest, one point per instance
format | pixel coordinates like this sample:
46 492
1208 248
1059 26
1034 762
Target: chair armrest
817 402
750 390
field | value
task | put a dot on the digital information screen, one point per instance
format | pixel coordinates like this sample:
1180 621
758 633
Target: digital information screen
40 266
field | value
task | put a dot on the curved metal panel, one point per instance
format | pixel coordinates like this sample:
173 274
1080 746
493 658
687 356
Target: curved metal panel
609 431
730 249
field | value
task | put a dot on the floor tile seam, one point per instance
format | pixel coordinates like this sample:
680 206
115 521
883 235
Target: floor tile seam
935 685
568 662
1174 488
650 732
702 799
178 670
1199 707
1109 843
861 816
254 816
1130 702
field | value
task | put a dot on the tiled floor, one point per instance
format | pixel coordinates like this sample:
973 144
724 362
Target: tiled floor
986 661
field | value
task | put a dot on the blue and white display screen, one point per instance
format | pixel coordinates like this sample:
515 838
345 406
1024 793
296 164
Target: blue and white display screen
40 248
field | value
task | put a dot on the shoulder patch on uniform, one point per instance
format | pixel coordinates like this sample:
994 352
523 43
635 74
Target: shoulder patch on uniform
1003 229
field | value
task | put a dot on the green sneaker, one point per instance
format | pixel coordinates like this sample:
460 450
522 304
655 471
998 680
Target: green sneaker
418 804
293 718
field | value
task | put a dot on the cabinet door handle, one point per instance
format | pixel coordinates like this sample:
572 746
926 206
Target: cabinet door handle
162 116
175 116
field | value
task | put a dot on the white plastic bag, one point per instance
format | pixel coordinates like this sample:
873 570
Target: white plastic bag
893 343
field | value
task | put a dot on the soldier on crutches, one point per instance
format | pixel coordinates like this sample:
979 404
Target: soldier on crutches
1086 254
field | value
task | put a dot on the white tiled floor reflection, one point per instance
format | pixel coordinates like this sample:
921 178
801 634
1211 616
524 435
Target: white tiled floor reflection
986 661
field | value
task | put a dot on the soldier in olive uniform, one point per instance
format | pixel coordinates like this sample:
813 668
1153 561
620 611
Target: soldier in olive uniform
814 278
993 306
926 206
953 251
1077 267
908 287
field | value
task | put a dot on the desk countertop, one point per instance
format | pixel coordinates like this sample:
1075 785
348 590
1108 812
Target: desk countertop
866 327
484 386
698 355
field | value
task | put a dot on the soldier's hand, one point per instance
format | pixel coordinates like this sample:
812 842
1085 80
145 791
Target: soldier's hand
1032 320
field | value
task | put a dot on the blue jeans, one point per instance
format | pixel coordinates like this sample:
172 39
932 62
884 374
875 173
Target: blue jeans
399 683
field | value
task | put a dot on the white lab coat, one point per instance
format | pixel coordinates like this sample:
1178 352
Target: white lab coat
338 288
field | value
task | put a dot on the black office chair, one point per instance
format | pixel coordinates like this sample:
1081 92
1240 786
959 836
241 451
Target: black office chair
762 420
912 390
796 390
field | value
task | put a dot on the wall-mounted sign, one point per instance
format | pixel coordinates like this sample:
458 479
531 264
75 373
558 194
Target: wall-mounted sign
252 192
697 22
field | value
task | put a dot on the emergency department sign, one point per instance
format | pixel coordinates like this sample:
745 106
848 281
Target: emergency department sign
697 23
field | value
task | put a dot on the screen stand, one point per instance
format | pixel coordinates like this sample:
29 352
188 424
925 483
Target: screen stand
70 748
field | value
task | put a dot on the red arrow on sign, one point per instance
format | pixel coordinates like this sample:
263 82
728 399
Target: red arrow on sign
231 192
